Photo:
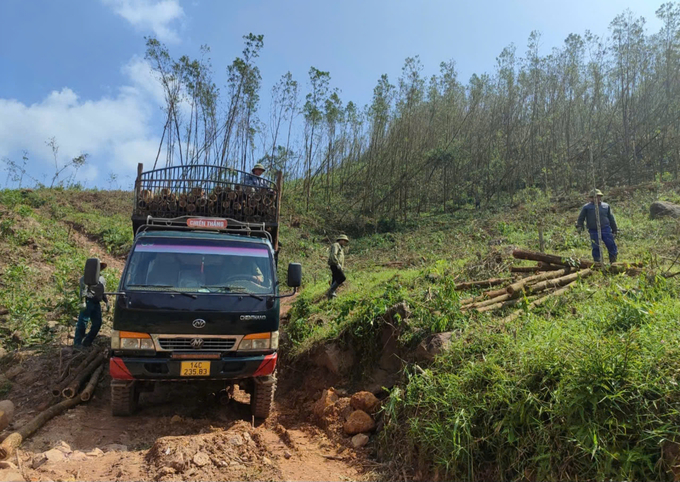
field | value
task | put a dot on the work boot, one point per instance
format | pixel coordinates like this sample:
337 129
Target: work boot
612 258
331 291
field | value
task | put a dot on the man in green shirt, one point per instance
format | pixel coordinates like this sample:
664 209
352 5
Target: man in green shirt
336 261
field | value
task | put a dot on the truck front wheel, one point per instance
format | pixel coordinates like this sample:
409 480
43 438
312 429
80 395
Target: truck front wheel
262 397
124 398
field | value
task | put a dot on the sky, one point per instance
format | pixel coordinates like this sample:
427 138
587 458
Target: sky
74 70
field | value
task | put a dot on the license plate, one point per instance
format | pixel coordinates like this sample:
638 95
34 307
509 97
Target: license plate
195 369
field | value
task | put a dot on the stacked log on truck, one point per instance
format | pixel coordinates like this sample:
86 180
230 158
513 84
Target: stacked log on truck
551 277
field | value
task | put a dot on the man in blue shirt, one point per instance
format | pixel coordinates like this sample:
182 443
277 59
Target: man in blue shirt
607 226
255 179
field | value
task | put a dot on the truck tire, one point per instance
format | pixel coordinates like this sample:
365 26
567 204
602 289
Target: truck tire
124 398
262 398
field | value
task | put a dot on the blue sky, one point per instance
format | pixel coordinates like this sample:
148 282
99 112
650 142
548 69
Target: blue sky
74 69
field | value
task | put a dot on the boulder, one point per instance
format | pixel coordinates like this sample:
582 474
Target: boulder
660 209
433 345
323 404
359 422
359 440
365 401
11 475
343 407
335 358
201 459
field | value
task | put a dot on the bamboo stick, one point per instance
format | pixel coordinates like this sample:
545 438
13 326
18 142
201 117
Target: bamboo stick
556 283
487 283
494 293
504 304
92 384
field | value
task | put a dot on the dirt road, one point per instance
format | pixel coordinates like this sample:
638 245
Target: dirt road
179 433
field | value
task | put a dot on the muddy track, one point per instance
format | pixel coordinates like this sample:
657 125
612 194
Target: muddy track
179 433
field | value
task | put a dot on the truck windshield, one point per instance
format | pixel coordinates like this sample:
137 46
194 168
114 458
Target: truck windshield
199 266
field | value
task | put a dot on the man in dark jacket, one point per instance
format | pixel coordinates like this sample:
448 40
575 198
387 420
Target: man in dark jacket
607 226
90 310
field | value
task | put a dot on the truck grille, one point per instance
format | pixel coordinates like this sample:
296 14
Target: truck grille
192 344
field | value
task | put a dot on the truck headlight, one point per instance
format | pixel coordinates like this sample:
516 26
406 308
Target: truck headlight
131 340
260 341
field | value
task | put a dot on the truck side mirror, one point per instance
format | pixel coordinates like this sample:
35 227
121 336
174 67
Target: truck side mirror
91 275
294 275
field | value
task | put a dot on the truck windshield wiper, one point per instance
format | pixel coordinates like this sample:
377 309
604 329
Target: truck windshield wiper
168 288
234 289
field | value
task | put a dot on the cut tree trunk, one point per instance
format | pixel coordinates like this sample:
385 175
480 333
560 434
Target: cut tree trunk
14 440
487 283
72 389
494 293
504 304
556 283
550 258
57 390
537 302
6 413
516 288
497 299
92 384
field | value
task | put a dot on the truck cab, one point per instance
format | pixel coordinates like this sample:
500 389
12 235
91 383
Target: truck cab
198 302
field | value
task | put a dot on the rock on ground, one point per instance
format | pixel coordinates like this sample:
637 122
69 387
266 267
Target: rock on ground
660 209
359 440
365 401
11 475
433 345
359 422
334 358
327 400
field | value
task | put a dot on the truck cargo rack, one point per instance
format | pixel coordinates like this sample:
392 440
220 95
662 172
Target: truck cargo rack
180 192
234 226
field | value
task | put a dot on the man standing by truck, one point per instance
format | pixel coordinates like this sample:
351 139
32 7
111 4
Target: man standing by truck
90 310
607 226
336 261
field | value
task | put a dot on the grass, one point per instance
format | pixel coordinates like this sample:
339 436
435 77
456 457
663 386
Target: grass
584 387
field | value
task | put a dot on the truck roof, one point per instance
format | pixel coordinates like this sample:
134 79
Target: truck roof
201 235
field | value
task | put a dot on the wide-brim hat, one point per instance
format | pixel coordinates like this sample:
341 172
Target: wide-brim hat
596 192
257 166
342 237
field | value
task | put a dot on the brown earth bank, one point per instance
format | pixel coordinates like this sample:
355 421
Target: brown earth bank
180 432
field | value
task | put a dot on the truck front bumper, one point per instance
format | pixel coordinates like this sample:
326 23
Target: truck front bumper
225 368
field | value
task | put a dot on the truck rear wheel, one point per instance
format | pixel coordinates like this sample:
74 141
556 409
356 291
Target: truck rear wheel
262 398
124 398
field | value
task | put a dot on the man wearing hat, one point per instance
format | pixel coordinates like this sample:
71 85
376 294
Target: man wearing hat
607 225
336 261
255 178
90 310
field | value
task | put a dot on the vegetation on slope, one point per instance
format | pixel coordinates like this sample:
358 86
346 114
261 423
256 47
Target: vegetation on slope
584 387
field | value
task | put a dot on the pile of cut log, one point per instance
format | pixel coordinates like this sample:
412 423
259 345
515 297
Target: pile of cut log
551 277
68 387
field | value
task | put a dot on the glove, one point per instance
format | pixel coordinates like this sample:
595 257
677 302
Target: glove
82 306
614 233
579 229
108 307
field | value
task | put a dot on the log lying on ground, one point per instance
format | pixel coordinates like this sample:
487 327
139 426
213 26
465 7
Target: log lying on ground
515 288
74 386
494 293
549 267
13 440
487 283
550 258
558 282
491 301
524 269
57 390
504 304
92 384
537 302
6 413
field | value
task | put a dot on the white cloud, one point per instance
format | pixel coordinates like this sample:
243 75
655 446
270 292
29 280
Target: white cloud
157 16
117 132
